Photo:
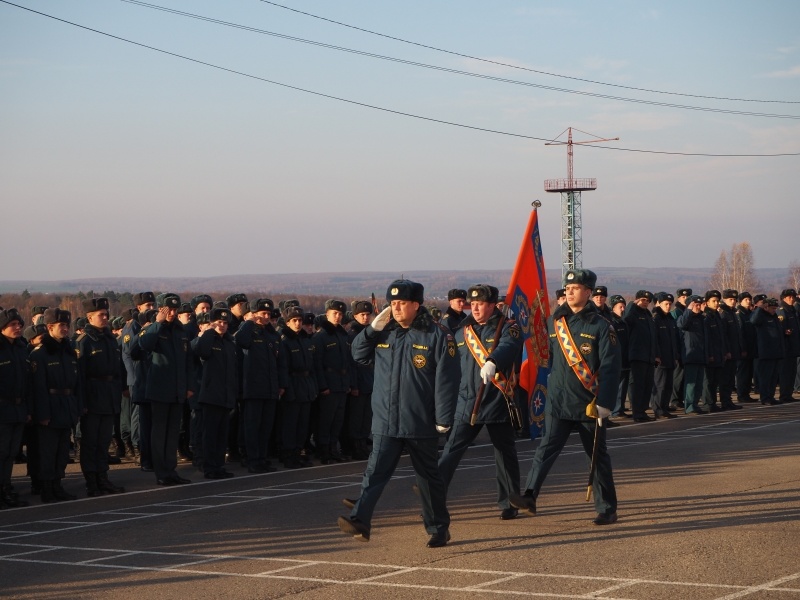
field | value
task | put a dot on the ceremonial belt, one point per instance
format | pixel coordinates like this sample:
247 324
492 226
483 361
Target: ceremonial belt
480 354
64 392
574 358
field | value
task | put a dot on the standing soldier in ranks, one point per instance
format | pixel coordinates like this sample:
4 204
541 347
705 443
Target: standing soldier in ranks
677 379
15 408
99 362
187 319
203 322
577 331
733 339
561 296
303 373
486 360
621 328
599 296
333 350
126 407
455 312
170 383
239 307
34 335
771 349
716 349
56 401
747 333
416 384
264 382
642 352
217 350
694 355
669 353
143 414
143 301
360 398
787 315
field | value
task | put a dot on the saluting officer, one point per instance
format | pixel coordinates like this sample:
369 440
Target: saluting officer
359 412
170 382
590 374
217 350
56 401
417 375
99 362
489 361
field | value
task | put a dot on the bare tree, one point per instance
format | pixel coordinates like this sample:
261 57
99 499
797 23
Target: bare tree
794 274
734 269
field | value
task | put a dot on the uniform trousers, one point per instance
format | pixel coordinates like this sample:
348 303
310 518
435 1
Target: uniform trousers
125 420
768 370
711 383
662 390
693 376
294 425
31 439
787 376
215 432
259 417
381 465
331 418
727 382
198 427
556 434
506 462
677 385
53 452
641 386
144 421
164 437
622 392
10 439
744 378
360 416
96 433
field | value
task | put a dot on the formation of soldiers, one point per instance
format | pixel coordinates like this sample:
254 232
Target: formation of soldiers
247 381
691 353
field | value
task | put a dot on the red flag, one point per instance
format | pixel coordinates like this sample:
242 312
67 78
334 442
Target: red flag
528 301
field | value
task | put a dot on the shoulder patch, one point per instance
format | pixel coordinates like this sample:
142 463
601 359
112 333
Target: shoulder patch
126 339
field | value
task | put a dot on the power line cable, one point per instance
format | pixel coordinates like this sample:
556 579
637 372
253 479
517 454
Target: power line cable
380 108
502 64
458 71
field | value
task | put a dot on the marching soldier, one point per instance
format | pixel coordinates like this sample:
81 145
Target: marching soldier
578 333
56 401
416 384
99 361
487 359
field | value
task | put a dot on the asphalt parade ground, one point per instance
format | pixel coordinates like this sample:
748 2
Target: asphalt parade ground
709 509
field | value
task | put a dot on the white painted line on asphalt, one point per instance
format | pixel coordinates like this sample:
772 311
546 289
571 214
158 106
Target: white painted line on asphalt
477 586
309 563
389 574
113 557
770 586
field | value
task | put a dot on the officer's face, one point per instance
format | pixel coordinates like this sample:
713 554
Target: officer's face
239 309
361 318
98 318
202 308
481 311
746 302
713 303
295 324
770 309
334 316
599 301
642 302
577 296
220 326
665 305
58 331
261 317
696 307
619 309
404 312
730 302
146 306
185 318
457 304
13 330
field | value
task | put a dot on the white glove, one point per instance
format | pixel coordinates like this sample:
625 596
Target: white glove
603 412
382 319
442 428
487 372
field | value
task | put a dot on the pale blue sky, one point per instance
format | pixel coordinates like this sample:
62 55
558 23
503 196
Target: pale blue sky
144 164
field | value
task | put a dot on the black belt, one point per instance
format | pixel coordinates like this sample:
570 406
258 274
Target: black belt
12 400
64 392
104 378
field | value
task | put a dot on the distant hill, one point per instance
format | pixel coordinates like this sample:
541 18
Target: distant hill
619 280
